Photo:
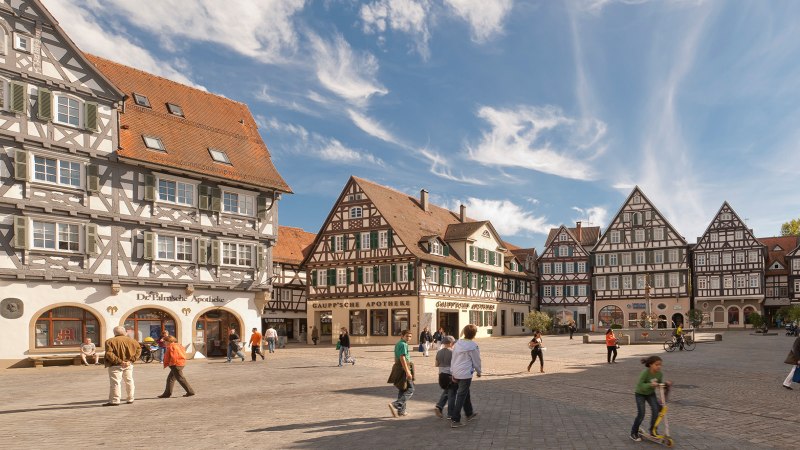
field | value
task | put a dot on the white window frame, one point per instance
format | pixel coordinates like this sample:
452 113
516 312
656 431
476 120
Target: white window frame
22 37
796 263
713 259
547 291
658 280
569 267
239 251
674 280
559 291
341 276
600 260
700 259
338 243
613 259
727 282
702 283
739 257
366 244
713 237
658 257
557 268
601 283
154 143
627 282
59 161
562 237
713 282
56 237
640 258
796 286
178 181
174 240
219 156
752 256
581 266
356 212
626 259
754 280
244 200
563 250
638 235
725 216
322 277
56 98
738 235
447 277
727 258
672 255
641 281
368 275
457 278
402 273
614 237
546 268
434 275
741 281
383 239
436 248
658 234
582 290
473 281
613 283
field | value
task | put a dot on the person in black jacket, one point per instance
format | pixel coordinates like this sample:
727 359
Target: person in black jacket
425 339
794 360
438 338
344 347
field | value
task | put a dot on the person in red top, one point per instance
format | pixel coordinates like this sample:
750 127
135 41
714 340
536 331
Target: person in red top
175 359
611 346
255 344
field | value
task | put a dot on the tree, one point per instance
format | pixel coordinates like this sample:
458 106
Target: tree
695 317
538 321
791 228
789 313
755 320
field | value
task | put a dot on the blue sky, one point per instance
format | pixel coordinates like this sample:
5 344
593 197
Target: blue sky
532 113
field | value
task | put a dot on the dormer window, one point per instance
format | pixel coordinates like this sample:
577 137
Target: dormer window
562 237
514 266
154 143
219 156
436 248
175 109
141 100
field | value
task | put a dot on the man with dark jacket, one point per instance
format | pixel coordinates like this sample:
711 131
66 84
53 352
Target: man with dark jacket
794 360
233 345
121 353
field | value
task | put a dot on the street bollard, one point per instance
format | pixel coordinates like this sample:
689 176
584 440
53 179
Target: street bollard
717 337
585 338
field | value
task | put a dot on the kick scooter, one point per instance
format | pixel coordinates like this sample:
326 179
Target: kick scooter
653 436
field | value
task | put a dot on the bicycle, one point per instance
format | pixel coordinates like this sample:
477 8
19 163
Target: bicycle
688 344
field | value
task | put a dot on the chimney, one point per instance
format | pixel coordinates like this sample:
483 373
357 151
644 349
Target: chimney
463 215
578 233
423 199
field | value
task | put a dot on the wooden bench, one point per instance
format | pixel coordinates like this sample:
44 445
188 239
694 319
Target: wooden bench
73 358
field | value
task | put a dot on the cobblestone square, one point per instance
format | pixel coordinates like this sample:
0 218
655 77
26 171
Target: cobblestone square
727 395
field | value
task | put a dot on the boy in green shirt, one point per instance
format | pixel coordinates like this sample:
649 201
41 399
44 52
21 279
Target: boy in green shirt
403 371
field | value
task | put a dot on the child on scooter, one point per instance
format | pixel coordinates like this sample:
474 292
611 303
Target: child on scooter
650 378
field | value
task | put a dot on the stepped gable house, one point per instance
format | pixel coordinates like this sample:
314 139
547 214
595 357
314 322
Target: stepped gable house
384 261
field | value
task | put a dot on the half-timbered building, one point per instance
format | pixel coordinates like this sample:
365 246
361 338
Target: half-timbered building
640 266
778 291
286 309
565 284
793 262
127 199
384 262
728 271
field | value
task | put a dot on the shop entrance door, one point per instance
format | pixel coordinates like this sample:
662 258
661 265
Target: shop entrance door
211 332
449 321
503 323
581 321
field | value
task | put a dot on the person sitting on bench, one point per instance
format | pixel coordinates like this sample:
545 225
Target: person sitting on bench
88 350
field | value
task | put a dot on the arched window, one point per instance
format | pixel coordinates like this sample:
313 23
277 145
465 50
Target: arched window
150 322
733 315
747 311
719 314
610 315
66 326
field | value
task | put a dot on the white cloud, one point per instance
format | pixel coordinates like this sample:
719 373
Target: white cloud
595 216
441 168
264 95
485 17
406 16
347 74
541 139
371 127
623 186
335 151
110 43
508 218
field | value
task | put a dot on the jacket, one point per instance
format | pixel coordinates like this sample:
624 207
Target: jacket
397 377
466 359
120 349
425 336
175 355
611 340
344 340
794 354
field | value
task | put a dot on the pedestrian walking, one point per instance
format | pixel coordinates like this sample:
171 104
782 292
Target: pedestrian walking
645 392
344 348
162 345
572 328
611 346
794 359
175 359
402 375
438 338
443 359
255 344
536 346
425 340
233 345
314 335
466 361
121 352
272 337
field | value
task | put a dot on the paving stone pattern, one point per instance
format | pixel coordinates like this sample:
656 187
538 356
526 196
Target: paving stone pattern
727 396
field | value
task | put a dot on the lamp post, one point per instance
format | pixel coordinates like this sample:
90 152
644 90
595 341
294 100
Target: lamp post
649 306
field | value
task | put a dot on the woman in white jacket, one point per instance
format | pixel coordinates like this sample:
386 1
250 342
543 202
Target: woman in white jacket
466 360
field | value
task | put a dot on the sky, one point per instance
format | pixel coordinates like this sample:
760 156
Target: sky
531 113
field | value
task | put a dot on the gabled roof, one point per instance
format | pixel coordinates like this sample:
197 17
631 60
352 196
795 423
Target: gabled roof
210 121
725 205
293 245
460 231
787 243
637 190
589 235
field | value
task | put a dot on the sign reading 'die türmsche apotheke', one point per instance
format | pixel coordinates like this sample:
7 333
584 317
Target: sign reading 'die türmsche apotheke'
157 297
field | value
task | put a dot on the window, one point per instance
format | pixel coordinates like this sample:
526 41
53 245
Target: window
154 143
548 291
356 212
513 266
458 278
379 322
235 203
400 321
519 319
338 243
582 267
562 237
648 215
626 259
752 256
714 282
796 264
175 192
713 237
702 282
658 234
22 42
546 268
322 277
582 289
658 256
68 111
614 237
610 315
473 280
626 217
627 282
640 258
358 322
569 267
739 235
700 258
175 248
754 280
601 283
726 258
219 156
56 236
728 282
739 257
639 235
341 277
234 254
658 280
673 280
66 326
369 275
563 250
402 274
713 259
385 273
600 260
559 291
175 109
383 239
436 247
740 281
613 283
57 171
725 216
796 286
613 259
557 267
640 281
141 100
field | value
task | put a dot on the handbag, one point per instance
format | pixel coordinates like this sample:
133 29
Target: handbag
421 347
338 345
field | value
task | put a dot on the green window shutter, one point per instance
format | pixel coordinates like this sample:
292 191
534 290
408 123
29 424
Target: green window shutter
555 250
373 239
569 251
331 277
21 232
446 249
17 98
21 165
216 253
92 178
441 275
90 121
410 271
91 239
493 284
375 277
394 273
149 245
357 238
390 235
471 253
202 251
344 242
360 275
259 256
45 104
349 275
491 258
216 199
313 278
149 187
261 203
203 197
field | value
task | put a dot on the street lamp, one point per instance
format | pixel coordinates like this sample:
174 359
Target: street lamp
649 306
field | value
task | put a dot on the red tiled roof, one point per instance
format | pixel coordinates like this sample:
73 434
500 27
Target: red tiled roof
787 244
210 121
589 235
293 245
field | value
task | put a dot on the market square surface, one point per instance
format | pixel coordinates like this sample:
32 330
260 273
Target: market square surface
727 395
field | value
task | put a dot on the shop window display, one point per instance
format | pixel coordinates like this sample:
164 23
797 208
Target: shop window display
149 323
66 326
358 322
400 321
379 321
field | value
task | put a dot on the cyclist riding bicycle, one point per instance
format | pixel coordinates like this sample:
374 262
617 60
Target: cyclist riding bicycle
679 336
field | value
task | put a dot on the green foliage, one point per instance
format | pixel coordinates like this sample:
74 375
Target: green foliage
695 317
791 228
755 320
789 313
538 321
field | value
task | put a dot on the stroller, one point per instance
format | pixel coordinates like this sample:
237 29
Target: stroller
148 352
791 329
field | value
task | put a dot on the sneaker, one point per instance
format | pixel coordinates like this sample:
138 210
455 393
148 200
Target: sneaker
130 402
188 395
163 396
472 416
393 409
403 414
354 362
438 412
787 387
636 437
455 424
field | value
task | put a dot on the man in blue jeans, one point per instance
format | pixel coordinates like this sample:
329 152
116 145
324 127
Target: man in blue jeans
233 345
403 369
466 360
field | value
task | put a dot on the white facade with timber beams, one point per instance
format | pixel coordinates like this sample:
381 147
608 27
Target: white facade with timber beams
384 262
639 249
